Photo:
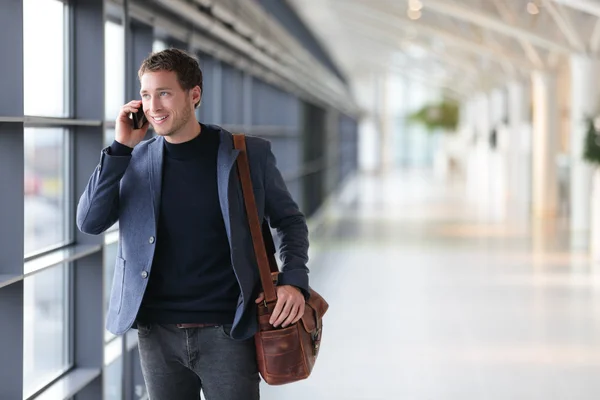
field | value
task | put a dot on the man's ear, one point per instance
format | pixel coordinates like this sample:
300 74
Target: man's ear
196 94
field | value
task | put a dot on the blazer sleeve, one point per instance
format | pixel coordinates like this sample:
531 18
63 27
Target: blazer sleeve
283 215
98 207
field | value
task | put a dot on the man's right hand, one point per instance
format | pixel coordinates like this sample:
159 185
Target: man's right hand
124 132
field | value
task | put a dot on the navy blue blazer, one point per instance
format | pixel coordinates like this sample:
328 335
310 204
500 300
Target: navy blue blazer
127 189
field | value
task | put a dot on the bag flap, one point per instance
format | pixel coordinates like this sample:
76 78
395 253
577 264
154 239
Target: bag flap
318 303
315 308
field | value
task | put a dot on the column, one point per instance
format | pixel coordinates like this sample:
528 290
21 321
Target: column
386 148
11 198
477 166
519 148
584 103
545 144
497 155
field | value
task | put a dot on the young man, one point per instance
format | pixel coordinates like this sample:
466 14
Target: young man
185 273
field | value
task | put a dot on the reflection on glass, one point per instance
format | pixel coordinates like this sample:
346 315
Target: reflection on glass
113 381
110 256
45 188
114 61
44 58
46 327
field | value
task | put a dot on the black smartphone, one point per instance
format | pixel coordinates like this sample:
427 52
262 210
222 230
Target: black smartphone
139 118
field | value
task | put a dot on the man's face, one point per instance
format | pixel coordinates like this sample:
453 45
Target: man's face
167 106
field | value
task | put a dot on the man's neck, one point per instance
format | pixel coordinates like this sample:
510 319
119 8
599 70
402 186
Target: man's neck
190 131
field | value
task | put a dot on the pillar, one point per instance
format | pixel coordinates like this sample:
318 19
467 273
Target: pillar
584 103
545 145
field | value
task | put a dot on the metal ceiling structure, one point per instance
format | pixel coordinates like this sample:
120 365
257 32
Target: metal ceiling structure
243 34
482 41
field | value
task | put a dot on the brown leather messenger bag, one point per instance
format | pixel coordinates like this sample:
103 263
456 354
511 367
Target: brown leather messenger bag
288 354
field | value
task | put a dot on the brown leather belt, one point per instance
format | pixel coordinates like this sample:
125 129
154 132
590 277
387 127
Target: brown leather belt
196 325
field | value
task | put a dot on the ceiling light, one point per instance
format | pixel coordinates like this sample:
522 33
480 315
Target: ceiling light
532 8
414 15
415 5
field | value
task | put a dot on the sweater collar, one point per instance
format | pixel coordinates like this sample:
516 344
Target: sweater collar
205 142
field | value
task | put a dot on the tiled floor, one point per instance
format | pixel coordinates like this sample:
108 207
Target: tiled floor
431 300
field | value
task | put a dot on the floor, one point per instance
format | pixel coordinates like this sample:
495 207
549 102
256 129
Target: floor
431 298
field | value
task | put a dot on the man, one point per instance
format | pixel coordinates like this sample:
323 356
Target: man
185 274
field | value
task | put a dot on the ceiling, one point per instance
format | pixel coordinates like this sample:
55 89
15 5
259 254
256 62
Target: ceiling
463 45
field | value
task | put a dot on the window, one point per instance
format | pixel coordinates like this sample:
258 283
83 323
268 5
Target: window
109 136
44 58
46 188
159 45
46 353
110 257
113 380
114 60
113 370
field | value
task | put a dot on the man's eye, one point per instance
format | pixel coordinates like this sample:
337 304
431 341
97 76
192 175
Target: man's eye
145 96
163 93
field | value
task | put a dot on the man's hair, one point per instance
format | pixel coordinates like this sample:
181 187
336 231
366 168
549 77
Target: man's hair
182 63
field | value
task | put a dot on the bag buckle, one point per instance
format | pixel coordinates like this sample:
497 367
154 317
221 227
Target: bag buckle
316 341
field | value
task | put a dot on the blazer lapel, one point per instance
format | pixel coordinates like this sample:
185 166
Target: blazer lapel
155 164
225 159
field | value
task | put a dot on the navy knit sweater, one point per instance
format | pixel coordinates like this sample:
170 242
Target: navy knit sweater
192 279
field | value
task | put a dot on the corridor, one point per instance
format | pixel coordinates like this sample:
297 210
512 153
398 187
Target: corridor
431 301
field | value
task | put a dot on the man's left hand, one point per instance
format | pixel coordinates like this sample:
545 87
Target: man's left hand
289 307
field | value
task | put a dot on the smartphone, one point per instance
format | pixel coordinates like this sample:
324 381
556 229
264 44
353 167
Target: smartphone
139 118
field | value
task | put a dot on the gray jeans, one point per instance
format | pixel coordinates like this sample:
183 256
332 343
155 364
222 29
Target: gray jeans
177 363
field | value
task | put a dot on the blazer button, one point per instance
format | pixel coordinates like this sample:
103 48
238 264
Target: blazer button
144 274
151 240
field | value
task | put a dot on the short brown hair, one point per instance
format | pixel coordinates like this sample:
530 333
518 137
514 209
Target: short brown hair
182 63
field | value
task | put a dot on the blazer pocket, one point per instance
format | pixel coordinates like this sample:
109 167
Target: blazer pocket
116 293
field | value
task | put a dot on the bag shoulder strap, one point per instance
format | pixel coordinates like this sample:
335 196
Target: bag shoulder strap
258 241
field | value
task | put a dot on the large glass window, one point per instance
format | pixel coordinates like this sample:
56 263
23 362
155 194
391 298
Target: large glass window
113 370
46 177
46 353
109 136
44 58
113 380
114 59
110 256
159 45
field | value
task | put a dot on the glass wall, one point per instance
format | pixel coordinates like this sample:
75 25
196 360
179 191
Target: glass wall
47 292
47 328
46 189
44 56
114 79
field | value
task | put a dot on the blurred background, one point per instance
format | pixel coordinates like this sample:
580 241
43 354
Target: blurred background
445 153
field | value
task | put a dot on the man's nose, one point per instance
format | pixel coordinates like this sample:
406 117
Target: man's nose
155 104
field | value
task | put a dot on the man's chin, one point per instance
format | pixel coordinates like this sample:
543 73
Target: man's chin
162 132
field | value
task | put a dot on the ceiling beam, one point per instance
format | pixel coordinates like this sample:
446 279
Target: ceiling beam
509 16
595 38
381 37
489 21
405 25
587 6
564 23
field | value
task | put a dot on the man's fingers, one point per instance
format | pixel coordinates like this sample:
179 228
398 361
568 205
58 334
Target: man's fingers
292 317
129 109
261 297
277 311
300 313
289 304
